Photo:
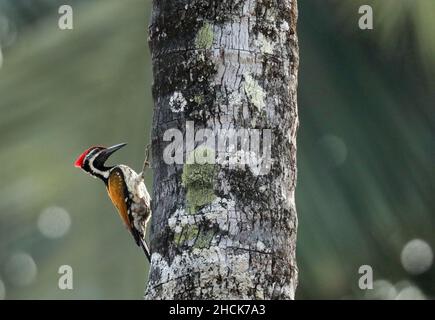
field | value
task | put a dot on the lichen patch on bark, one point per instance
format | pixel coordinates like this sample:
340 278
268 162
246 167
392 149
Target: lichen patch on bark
222 231
198 179
204 37
254 92
177 102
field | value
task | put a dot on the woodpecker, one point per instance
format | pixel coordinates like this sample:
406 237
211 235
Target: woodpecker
125 187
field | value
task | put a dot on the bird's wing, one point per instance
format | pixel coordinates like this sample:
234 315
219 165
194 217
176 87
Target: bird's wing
118 195
122 200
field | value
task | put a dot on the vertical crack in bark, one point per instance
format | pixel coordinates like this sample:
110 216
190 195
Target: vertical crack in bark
221 231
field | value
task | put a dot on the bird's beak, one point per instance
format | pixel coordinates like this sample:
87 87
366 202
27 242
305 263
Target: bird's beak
106 153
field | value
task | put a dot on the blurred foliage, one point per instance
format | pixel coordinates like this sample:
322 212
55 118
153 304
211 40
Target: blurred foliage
365 152
397 24
62 91
378 108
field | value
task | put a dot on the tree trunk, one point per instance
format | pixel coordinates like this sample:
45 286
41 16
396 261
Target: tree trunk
224 227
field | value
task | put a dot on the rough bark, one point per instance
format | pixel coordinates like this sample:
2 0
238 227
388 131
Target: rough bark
221 231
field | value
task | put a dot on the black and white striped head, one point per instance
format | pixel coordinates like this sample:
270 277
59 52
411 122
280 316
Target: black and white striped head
92 160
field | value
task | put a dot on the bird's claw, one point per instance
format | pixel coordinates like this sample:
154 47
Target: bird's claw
146 163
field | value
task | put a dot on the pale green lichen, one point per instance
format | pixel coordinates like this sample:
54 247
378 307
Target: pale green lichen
189 233
264 44
198 179
204 37
177 238
254 92
198 99
204 239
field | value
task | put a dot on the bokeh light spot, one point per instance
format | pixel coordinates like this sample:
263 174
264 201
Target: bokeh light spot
410 293
21 269
333 150
54 222
417 256
382 290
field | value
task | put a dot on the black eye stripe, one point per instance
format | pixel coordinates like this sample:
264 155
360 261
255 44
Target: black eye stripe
92 154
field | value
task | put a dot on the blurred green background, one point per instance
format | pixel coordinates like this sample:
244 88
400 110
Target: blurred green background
365 191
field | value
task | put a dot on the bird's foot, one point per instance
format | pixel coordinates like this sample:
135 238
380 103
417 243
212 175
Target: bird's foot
146 163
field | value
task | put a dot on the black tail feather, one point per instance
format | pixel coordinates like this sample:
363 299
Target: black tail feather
145 248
